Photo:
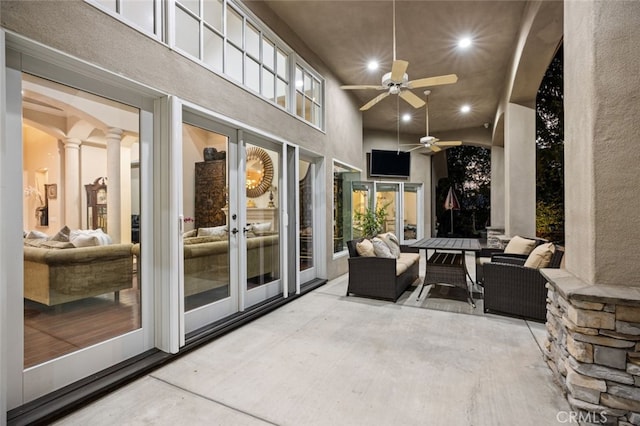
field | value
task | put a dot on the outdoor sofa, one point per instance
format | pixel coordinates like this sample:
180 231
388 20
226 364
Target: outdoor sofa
379 277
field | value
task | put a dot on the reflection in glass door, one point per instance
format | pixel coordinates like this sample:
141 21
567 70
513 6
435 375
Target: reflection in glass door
83 299
205 204
361 201
387 197
411 212
262 223
305 194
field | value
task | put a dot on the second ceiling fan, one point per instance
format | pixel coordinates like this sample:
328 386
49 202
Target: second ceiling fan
430 142
397 81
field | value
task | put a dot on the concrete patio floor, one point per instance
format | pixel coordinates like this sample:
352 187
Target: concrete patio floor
327 359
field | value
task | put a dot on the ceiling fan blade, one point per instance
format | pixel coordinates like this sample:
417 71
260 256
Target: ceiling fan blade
362 86
398 69
412 99
374 101
433 81
435 148
449 143
417 147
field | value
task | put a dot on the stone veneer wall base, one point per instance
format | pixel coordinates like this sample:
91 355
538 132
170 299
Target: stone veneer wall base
593 347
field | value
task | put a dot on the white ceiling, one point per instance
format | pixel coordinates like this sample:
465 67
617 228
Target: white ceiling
346 34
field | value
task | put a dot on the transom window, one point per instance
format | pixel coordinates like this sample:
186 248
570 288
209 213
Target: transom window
226 39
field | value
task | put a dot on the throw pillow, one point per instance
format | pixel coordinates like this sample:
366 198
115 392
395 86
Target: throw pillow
215 231
57 244
189 234
89 238
365 248
261 228
391 241
540 256
62 235
519 245
36 235
381 248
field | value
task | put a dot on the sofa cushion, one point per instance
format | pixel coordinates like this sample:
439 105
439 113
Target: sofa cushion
365 248
57 244
190 234
540 256
401 268
62 235
200 240
381 248
392 242
36 235
262 228
408 258
89 238
519 245
219 231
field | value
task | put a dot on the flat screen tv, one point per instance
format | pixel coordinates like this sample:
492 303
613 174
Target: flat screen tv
389 163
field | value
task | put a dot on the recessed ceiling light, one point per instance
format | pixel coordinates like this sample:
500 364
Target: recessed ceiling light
406 117
464 42
372 65
465 108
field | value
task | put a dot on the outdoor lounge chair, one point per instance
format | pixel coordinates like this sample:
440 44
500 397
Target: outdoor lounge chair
511 288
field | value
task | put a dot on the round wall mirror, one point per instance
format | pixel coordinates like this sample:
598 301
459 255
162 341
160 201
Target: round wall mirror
259 172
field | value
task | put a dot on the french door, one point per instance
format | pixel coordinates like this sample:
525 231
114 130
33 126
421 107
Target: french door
230 236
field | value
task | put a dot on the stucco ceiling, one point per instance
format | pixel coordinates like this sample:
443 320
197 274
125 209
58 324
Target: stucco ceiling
346 34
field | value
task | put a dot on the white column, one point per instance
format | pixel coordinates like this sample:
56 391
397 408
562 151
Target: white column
114 209
520 170
72 188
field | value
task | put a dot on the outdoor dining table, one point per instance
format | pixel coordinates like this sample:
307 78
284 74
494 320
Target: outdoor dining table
446 265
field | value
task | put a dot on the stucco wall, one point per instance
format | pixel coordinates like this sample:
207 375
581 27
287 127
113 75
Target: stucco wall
602 88
81 30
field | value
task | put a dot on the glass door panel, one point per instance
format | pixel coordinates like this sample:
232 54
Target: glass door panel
411 212
205 206
81 282
361 200
262 228
387 198
306 196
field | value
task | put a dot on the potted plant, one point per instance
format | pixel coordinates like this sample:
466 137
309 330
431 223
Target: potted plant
371 221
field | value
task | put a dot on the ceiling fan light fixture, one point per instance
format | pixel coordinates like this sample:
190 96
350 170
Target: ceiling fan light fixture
427 140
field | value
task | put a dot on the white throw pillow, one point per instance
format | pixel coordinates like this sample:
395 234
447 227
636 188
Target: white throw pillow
541 256
89 238
392 242
36 235
519 245
215 231
261 228
365 248
381 248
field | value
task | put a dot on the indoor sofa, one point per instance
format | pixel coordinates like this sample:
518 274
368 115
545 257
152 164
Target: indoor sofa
54 276
206 261
379 277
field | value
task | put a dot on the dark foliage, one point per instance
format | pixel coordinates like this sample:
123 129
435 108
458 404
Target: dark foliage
550 153
469 169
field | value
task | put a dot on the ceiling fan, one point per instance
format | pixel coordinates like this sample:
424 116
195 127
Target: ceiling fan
431 143
397 81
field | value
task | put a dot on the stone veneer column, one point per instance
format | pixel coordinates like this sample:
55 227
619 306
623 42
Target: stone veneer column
593 314
72 189
114 208
520 170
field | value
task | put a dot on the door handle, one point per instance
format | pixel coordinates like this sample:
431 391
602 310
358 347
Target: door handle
234 231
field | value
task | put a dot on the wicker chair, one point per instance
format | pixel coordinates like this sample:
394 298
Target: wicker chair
512 289
486 255
376 277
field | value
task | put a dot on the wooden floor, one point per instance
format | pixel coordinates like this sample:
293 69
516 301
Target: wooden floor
53 331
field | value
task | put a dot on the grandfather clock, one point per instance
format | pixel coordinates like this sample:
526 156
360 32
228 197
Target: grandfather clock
97 204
